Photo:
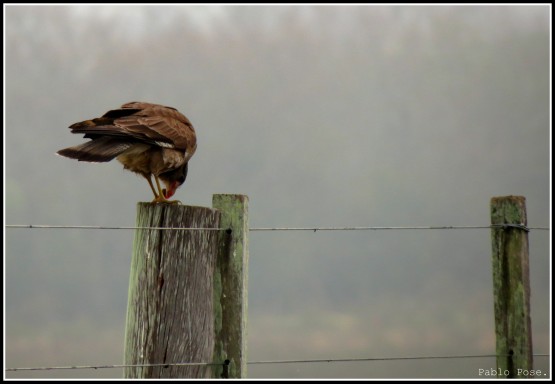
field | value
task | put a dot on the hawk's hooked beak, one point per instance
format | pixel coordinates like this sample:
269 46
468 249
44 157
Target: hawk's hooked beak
171 188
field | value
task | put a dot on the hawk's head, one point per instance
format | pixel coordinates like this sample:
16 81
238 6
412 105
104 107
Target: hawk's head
173 180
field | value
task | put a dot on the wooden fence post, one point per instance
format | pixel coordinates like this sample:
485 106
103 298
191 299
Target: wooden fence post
511 286
231 289
170 315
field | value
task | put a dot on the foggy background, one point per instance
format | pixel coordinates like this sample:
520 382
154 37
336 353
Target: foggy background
325 117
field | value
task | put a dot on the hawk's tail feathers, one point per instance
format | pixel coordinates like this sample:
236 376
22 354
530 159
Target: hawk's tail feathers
102 149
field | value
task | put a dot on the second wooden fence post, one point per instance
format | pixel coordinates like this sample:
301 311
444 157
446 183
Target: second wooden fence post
511 286
230 291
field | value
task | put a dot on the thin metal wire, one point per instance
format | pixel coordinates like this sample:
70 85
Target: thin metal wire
370 359
110 366
519 226
264 362
34 226
314 229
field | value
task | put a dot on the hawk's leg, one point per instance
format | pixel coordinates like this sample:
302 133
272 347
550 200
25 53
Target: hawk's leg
151 186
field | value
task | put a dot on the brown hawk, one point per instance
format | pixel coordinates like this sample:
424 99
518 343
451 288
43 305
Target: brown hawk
148 139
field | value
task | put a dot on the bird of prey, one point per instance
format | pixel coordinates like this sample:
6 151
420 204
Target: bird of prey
148 139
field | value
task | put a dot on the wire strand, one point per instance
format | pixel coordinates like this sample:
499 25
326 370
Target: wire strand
314 229
518 226
111 366
305 361
34 226
378 359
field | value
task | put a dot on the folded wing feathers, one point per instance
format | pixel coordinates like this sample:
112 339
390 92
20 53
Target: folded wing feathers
141 129
170 129
118 129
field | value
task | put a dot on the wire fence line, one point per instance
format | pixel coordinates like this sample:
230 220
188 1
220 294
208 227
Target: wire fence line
111 366
260 229
34 226
268 229
260 362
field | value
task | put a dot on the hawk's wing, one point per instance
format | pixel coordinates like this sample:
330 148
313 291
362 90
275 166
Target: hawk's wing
135 122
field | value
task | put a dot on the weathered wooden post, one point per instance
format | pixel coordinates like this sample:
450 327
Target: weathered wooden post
511 286
188 291
231 289
170 307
